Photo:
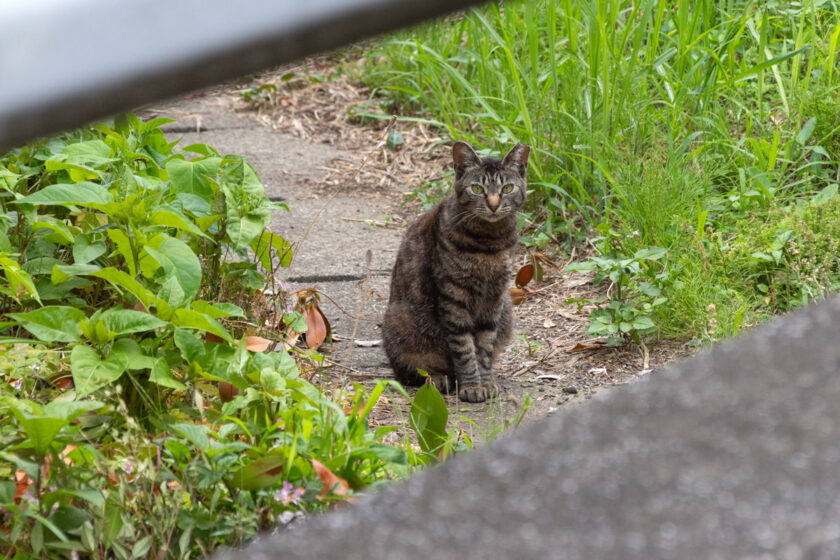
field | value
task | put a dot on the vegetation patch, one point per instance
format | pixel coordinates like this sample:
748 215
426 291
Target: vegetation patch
154 402
684 130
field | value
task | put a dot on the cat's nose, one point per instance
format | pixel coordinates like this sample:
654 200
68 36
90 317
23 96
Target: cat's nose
493 202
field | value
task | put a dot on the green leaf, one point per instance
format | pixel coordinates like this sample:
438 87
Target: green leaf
389 453
162 375
260 473
113 518
190 346
122 280
806 131
178 261
170 217
17 278
428 417
192 176
189 319
91 372
217 310
262 244
69 518
126 321
121 240
395 140
63 272
52 323
650 253
85 250
248 209
195 433
85 194
825 194
41 430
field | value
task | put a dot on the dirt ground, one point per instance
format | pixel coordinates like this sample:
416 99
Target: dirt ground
552 361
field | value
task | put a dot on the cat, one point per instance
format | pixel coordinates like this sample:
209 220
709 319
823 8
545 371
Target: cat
450 312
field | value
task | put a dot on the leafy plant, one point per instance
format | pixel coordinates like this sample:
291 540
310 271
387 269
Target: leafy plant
637 285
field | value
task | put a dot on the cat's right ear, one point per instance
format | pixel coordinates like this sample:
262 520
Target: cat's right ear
464 157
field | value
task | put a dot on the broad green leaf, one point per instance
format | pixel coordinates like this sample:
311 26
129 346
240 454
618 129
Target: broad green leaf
217 310
650 253
122 280
121 240
190 346
78 173
69 410
86 249
126 321
170 217
90 372
248 209
806 131
52 323
260 473
428 417
162 375
134 355
189 319
89 195
262 244
389 453
41 430
64 234
191 176
178 261
195 433
113 517
825 194
17 279
272 382
63 272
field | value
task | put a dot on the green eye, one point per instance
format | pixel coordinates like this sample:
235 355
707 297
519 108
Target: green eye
477 189
507 189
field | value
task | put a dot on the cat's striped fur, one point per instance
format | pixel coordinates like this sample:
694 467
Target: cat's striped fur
450 312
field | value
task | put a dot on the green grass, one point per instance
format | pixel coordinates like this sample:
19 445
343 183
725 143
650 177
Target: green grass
673 122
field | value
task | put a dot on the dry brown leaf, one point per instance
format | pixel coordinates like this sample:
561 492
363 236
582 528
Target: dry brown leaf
519 295
257 343
524 275
316 326
210 337
22 482
584 346
227 391
332 482
548 323
63 380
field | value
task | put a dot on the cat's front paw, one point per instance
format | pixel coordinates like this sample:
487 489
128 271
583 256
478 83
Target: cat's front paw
478 393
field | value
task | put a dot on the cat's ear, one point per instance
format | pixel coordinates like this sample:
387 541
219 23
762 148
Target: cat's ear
464 157
517 158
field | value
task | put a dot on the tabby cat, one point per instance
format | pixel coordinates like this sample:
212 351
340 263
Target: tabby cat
450 311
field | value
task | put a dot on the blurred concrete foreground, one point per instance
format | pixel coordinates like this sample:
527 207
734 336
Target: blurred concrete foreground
732 454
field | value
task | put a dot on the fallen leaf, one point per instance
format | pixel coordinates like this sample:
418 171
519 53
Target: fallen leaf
524 275
548 323
543 258
332 482
257 343
209 337
519 295
316 326
63 380
584 346
227 391
22 481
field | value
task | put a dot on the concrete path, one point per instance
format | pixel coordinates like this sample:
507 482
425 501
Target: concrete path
332 257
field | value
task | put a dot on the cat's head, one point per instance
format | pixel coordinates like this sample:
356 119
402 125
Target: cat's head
490 188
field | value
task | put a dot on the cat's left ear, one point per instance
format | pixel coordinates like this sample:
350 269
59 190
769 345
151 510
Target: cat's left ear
517 158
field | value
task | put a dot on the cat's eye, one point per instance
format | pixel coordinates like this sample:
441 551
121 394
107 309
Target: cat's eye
507 189
477 189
